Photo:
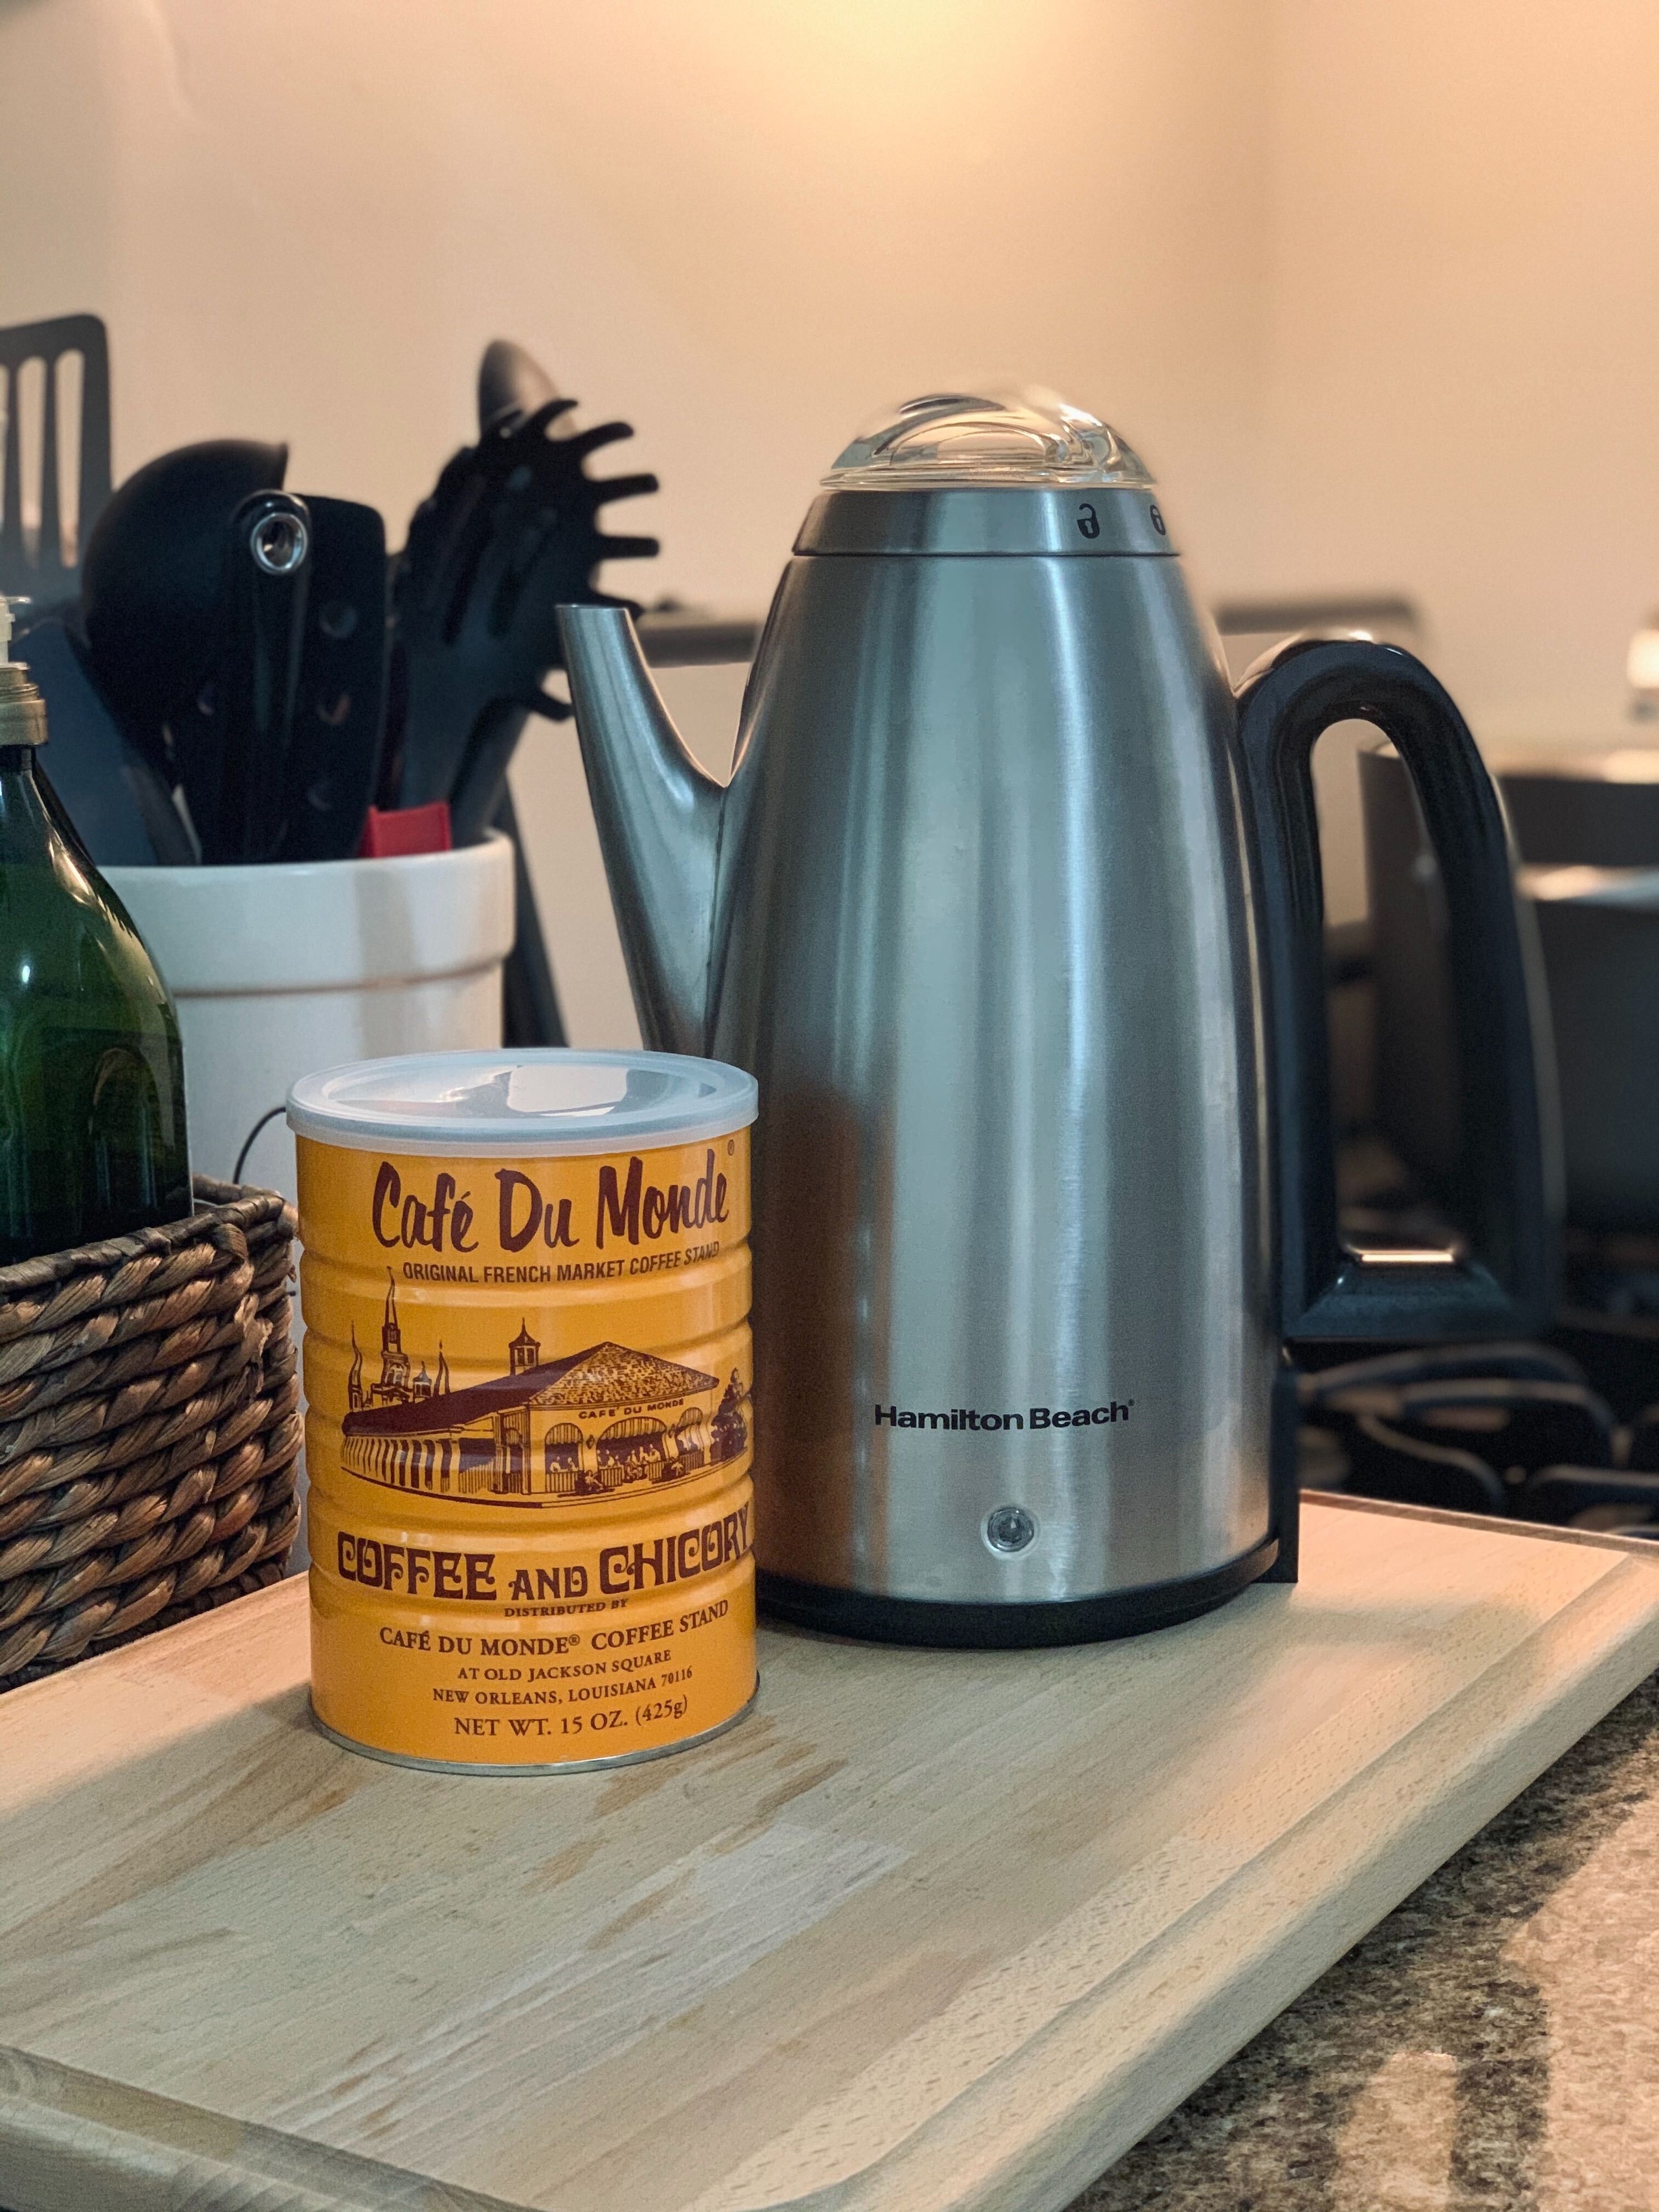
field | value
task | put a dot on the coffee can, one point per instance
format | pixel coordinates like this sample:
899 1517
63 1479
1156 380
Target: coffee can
525 1285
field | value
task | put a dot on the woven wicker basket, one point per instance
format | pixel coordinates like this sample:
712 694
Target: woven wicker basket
149 1429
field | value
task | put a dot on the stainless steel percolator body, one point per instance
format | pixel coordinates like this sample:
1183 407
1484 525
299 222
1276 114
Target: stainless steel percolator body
983 929
1016 913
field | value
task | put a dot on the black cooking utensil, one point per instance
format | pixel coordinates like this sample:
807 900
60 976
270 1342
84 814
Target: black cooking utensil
233 751
481 778
279 749
530 1014
152 580
122 812
512 385
510 534
334 753
43 567
543 545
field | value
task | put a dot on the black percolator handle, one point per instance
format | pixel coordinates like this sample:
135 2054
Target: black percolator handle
1328 1291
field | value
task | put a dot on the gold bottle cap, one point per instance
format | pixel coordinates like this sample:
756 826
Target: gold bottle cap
22 710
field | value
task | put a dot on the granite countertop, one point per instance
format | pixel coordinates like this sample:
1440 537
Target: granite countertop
1491 2046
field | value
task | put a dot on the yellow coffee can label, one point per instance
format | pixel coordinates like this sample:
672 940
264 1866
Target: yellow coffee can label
525 1286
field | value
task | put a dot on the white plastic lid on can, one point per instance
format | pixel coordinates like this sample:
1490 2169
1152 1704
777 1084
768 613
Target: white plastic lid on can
549 1101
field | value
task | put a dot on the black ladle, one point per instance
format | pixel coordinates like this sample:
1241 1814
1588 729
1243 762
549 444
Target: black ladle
152 577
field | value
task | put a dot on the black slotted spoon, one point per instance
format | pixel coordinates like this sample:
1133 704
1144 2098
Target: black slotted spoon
510 533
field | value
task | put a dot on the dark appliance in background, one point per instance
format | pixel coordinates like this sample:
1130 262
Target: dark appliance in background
1512 1430
1587 831
1566 1431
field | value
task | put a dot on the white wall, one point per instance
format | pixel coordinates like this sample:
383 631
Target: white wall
1371 283
1462 386
743 226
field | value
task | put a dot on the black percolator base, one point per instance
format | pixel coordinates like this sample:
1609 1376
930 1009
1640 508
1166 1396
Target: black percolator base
1014 1627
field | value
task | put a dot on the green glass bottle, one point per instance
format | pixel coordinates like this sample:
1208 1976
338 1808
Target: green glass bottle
91 1090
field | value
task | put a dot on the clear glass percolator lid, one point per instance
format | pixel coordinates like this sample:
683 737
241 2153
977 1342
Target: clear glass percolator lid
1018 438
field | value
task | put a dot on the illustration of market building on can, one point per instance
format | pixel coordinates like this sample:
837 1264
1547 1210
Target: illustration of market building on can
602 1420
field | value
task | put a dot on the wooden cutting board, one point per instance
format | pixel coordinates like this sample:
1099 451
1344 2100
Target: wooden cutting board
930 1931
